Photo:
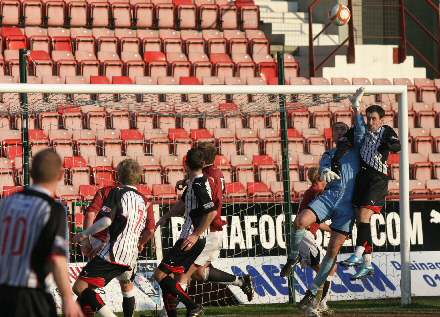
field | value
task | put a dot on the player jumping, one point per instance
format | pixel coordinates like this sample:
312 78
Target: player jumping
378 140
91 246
310 251
338 168
202 269
124 213
200 211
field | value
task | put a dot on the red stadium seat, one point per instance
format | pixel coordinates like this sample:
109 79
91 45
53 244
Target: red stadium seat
228 17
235 190
133 142
10 12
152 169
164 192
54 13
208 16
243 168
165 16
434 158
265 168
77 13
32 12
173 168
259 190
88 191
226 140
412 97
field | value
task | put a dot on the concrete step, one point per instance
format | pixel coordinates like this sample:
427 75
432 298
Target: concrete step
277 6
284 16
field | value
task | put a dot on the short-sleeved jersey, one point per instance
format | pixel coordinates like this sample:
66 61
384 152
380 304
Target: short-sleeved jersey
198 202
32 228
128 211
217 183
97 204
309 195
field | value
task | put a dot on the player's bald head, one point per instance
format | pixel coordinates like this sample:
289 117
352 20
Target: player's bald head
46 167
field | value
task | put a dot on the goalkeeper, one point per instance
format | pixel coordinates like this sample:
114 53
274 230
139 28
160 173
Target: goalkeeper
338 168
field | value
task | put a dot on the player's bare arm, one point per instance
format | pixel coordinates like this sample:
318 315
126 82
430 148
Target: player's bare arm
325 227
70 307
204 225
146 236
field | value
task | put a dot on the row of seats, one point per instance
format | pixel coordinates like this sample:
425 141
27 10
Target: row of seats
153 64
181 14
119 39
168 168
236 191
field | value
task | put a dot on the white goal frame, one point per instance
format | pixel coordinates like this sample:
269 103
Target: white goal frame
401 91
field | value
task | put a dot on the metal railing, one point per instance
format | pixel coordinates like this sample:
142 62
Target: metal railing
350 39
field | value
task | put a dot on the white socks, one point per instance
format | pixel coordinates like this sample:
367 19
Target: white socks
359 251
367 260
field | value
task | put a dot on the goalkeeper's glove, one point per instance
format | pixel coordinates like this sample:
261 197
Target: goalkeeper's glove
328 175
356 99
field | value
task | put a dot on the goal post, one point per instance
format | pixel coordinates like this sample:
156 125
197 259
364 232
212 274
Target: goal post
312 90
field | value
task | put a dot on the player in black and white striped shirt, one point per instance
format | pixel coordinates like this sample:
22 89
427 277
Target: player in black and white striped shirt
371 181
33 244
199 211
124 213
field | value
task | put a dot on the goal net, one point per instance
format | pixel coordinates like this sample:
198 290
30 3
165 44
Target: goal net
94 127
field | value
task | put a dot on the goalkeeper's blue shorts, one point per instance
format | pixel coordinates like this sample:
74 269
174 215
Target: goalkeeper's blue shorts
335 205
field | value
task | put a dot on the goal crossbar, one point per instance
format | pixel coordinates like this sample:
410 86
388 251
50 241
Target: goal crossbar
399 90
196 89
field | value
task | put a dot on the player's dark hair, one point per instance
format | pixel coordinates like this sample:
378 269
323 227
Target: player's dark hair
195 159
129 172
209 151
340 123
376 108
46 166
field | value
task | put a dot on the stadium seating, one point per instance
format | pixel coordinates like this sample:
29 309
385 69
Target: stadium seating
180 42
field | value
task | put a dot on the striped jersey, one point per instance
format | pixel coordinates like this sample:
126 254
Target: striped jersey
217 184
96 206
376 146
198 202
128 211
32 228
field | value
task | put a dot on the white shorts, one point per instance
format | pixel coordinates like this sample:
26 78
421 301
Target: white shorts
211 251
311 253
128 276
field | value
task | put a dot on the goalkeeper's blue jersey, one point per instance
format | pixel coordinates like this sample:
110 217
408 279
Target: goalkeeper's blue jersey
349 167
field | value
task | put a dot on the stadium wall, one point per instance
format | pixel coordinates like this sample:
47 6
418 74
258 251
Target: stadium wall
254 243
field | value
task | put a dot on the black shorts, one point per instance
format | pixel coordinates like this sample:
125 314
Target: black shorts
370 190
99 272
26 302
179 261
